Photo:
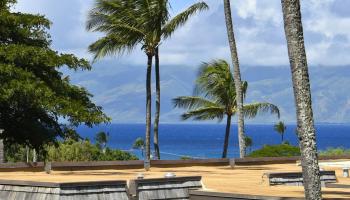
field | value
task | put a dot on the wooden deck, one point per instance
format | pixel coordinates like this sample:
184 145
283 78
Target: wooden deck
243 179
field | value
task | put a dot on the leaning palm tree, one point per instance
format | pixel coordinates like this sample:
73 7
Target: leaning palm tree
214 97
166 26
280 128
300 76
236 76
129 23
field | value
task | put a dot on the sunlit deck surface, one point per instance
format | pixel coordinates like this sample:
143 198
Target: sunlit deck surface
240 180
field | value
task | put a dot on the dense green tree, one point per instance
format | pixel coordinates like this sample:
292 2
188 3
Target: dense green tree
129 23
214 97
236 76
281 150
293 27
280 128
35 97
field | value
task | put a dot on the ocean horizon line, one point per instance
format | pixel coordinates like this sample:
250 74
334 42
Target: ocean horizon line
221 123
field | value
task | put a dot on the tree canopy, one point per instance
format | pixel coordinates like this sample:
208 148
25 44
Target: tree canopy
35 96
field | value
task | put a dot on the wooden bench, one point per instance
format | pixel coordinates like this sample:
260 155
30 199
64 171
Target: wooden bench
296 178
30 190
163 188
206 195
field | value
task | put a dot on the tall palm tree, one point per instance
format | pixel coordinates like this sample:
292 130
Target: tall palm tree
236 76
165 28
214 97
280 128
125 26
128 23
305 123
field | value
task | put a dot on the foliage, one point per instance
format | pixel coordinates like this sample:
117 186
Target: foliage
34 94
69 150
280 128
139 144
186 158
102 139
282 150
215 96
248 141
127 23
340 151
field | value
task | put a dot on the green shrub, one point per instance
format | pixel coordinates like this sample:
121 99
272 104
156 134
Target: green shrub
85 151
185 158
282 150
340 151
69 150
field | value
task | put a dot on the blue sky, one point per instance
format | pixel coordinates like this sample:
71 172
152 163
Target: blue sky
118 82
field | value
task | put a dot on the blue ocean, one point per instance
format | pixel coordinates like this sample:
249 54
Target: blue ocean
206 140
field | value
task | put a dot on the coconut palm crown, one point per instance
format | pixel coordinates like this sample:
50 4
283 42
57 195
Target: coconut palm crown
214 97
280 128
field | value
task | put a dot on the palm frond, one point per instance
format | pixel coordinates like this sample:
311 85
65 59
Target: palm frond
190 102
112 44
205 113
179 20
251 110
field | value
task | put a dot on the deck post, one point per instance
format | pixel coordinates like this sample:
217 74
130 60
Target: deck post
232 163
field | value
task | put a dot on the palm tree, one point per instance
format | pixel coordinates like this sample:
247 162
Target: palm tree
139 144
165 28
102 139
128 23
214 97
305 123
124 26
248 142
280 128
236 76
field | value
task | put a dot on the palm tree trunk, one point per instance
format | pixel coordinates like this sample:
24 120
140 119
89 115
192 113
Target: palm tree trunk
148 111
302 94
282 137
27 154
236 77
34 156
2 155
227 136
156 118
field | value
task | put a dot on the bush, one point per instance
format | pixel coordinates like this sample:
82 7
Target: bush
85 151
69 150
340 151
186 158
282 150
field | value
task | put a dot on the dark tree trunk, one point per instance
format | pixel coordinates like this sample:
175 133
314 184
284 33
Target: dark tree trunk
236 77
227 136
156 117
301 85
282 137
148 111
